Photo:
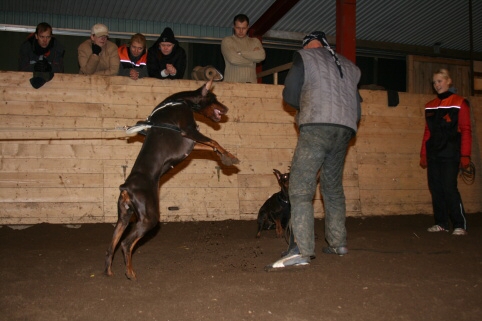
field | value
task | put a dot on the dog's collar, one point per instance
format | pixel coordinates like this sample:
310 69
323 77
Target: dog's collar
142 126
164 105
281 199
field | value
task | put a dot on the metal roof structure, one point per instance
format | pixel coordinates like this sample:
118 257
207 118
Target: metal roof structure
447 24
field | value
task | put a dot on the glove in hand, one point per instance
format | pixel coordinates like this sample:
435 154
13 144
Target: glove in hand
42 66
96 49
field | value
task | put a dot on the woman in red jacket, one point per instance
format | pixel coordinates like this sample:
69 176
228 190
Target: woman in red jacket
446 146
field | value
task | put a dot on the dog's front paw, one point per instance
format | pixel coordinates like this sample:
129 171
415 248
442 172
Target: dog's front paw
229 160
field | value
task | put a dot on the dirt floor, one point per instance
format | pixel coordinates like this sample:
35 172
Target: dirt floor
215 271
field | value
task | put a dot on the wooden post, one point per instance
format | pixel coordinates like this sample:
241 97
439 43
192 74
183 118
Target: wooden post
346 28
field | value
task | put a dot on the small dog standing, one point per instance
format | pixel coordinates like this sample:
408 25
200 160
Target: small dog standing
276 211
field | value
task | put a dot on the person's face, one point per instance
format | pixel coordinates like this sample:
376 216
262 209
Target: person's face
99 41
441 84
240 29
43 38
166 47
136 48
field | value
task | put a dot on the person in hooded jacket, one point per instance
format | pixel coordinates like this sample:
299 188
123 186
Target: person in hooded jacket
41 48
165 58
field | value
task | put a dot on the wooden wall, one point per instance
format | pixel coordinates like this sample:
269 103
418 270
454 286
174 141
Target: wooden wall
420 71
62 159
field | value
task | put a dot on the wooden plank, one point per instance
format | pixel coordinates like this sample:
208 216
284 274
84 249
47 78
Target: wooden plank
395 177
478 83
51 194
40 180
45 165
50 108
477 66
53 213
402 143
69 151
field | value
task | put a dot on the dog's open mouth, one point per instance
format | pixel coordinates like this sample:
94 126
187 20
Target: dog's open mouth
217 114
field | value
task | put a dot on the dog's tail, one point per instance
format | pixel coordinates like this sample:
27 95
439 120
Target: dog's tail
126 202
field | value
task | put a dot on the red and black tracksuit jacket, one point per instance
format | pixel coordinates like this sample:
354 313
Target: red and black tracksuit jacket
448 134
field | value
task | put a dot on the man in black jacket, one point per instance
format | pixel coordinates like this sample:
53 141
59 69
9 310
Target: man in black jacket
42 54
165 58
41 47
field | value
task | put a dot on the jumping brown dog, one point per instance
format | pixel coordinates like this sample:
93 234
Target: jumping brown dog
170 138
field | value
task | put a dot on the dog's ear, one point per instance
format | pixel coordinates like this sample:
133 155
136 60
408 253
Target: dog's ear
277 173
207 87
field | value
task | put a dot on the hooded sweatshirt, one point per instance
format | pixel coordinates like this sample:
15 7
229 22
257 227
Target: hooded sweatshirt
156 61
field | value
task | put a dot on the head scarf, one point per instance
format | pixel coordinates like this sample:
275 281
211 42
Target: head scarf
320 36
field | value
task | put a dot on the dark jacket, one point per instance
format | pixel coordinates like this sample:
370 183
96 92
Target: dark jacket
128 62
30 53
156 61
448 132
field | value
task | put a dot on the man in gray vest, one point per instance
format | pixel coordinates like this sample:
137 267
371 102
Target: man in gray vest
322 86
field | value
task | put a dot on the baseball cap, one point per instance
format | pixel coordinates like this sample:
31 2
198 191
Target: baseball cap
100 30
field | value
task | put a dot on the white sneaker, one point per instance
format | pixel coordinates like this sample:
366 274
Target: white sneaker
437 228
459 231
292 259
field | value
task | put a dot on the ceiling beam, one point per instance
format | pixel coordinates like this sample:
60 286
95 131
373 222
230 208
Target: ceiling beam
271 16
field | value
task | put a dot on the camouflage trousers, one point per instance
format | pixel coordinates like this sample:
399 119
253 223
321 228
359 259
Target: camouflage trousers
319 149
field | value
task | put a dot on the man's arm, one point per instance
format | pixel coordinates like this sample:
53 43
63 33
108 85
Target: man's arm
87 60
230 54
24 57
465 130
294 82
114 60
256 52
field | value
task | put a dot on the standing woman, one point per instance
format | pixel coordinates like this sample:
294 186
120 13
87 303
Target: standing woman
446 147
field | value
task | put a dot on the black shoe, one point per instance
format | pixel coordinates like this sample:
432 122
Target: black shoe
341 250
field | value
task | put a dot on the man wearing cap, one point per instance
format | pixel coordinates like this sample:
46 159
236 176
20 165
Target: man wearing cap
98 55
165 58
322 86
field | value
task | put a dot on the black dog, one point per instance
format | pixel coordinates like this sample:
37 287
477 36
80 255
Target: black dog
170 138
276 211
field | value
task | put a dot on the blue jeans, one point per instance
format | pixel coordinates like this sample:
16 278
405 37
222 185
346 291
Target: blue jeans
320 148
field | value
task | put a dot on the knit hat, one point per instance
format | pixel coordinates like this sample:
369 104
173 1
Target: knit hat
100 30
320 36
168 36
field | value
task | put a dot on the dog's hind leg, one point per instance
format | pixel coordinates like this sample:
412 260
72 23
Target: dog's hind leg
148 218
279 228
124 215
262 216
